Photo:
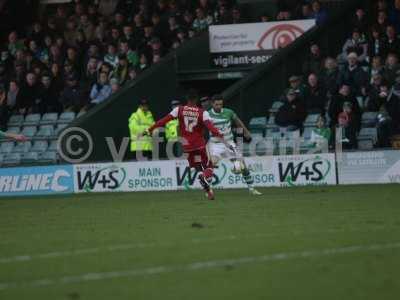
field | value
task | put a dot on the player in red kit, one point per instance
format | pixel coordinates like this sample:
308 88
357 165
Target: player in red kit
193 121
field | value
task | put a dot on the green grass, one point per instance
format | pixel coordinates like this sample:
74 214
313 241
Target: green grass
157 237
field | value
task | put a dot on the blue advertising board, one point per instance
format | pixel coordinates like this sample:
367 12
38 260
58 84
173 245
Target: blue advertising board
36 181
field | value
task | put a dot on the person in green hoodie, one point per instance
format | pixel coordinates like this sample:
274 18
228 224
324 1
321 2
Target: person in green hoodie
139 122
321 135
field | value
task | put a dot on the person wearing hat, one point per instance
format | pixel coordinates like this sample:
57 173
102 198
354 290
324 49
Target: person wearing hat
336 105
72 97
296 85
292 113
353 75
140 121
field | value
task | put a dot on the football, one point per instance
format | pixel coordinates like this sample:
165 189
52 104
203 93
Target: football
237 167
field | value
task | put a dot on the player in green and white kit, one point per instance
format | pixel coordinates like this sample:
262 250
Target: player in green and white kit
222 119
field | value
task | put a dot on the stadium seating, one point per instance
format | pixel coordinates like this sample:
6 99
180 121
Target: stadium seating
41 131
40 146
271 126
29 158
58 130
258 125
367 138
311 120
66 117
369 119
49 119
29 131
45 132
32 120
15 121
12 159
22 147
14 130
48 157
307 132
275 107
53 146
6 147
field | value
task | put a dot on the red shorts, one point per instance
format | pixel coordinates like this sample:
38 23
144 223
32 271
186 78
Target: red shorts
199 159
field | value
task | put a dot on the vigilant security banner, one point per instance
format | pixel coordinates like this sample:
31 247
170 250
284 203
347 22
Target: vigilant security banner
253 43
36 181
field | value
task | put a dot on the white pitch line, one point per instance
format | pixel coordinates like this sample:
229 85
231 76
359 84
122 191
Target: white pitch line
195 266
121 247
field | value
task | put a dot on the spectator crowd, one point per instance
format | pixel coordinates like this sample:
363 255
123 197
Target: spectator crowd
364 77
77 54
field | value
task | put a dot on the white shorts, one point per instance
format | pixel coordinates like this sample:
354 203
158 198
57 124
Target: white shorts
219 151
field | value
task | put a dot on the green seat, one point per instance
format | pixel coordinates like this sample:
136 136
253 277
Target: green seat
66 118
311 120
12 159
29 131
39 146
22 147
59 128
30 158
48 157
6 147
258 125
369 119
275 107
49 119
53 146
32 120
15 121
307 132
45 132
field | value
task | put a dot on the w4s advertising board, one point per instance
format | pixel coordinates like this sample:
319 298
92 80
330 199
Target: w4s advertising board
253 43
176 175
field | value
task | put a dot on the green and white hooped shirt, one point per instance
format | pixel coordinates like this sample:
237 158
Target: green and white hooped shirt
223 121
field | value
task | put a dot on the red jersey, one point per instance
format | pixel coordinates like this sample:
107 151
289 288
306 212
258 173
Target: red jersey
193 121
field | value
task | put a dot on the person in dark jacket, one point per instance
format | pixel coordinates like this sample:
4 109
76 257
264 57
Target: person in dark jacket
314 61
292 114
393 106
376 43
329 76
315 95
374 93
392 42
72 98
349 122
48 96
28 95
353 75
336 105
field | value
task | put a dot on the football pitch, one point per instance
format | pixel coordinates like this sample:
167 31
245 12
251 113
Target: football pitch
297 243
